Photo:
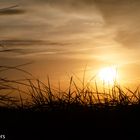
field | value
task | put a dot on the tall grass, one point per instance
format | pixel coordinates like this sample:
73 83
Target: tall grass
33 94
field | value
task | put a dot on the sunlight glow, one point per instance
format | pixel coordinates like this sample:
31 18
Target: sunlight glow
108 75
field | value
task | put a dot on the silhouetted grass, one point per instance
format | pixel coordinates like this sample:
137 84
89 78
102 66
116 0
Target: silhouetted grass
29 106
39 96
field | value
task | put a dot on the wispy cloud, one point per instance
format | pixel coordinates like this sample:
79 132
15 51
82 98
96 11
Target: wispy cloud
31 42
27 48
102 30
12 12
124 17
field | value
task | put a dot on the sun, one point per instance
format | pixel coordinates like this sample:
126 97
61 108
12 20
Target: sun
108 75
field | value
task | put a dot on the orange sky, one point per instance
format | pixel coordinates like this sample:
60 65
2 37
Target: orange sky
61 37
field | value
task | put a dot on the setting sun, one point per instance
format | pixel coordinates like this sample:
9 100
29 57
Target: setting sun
108 75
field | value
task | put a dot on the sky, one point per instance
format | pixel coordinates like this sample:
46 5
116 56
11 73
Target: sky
62 37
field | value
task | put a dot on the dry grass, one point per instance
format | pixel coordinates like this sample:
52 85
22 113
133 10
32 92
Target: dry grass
41 96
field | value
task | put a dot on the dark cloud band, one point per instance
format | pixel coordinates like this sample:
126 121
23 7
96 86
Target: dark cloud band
12 12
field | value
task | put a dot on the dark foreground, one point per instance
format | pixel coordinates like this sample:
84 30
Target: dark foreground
25 124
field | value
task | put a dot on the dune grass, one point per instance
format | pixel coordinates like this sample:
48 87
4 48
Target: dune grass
32 94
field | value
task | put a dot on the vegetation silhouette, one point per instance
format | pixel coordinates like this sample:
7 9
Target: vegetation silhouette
42 97
77 107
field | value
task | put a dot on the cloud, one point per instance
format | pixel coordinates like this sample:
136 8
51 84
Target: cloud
129 38
91 23
63 20
12 12
84 18
124 17
30 42
29 48
69 33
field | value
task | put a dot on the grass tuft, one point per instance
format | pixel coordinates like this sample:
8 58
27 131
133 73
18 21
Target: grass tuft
35 95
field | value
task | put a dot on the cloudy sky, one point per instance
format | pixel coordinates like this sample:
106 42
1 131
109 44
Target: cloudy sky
63 36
